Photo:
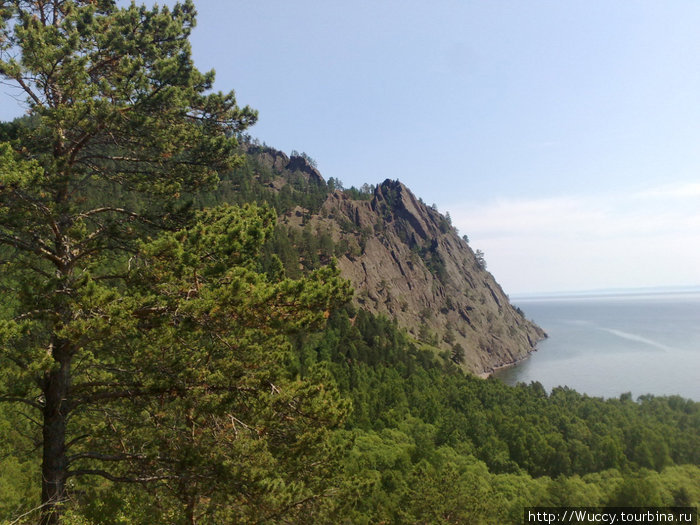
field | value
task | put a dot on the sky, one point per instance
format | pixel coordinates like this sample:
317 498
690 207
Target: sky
562 137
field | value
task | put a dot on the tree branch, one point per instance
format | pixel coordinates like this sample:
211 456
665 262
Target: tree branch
39 248
35 509
177 391
76 439
104 457
286 508
118 479
14 399
26 89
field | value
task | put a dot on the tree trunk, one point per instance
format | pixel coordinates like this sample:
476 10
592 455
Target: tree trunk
190 511
55 463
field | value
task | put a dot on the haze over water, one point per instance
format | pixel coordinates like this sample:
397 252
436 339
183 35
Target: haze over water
606 345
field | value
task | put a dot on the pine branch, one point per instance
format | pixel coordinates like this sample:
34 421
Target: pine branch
14 399
118 479
105 457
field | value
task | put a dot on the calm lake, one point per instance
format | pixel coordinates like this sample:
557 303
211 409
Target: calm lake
606 345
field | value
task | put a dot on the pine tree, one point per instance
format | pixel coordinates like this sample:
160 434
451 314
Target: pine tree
197 396
121 125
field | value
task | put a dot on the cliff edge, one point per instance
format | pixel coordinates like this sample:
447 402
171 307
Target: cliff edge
406 261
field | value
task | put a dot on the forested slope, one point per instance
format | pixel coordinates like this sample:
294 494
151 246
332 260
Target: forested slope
178 344
404 436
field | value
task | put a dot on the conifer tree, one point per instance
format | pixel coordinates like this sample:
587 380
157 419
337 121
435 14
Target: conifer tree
197 396
121 125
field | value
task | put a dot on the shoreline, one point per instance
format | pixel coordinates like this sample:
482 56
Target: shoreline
485 374
488 373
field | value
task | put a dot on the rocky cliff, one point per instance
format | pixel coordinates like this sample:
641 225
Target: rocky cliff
405 260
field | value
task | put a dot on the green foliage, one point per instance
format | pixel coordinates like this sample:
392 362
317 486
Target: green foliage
19 463
188 362
114 93
256 179
231 433
148 357
178 366
312 162
433 260
427 438
422 443
365 193
480 259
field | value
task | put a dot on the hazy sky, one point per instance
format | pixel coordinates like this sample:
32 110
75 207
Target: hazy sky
562 137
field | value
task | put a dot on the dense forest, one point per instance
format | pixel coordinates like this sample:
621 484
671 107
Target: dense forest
173 350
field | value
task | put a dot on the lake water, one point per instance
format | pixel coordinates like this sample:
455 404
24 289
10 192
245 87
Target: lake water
610 344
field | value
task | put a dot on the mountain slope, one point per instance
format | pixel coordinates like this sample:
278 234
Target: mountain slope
404 259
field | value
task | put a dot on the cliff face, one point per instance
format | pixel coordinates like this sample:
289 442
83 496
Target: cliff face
406 261
403 258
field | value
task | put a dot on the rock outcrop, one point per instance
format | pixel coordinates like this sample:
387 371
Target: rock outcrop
405 260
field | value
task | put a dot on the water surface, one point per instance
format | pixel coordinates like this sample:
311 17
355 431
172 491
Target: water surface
610 344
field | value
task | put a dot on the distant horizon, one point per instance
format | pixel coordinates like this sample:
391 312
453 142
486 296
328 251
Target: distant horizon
602 292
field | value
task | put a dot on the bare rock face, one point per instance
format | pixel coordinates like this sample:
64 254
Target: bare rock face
405 260
274 159
297 163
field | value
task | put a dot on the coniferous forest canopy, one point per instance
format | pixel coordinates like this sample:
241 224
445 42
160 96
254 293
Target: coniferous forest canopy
171 352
